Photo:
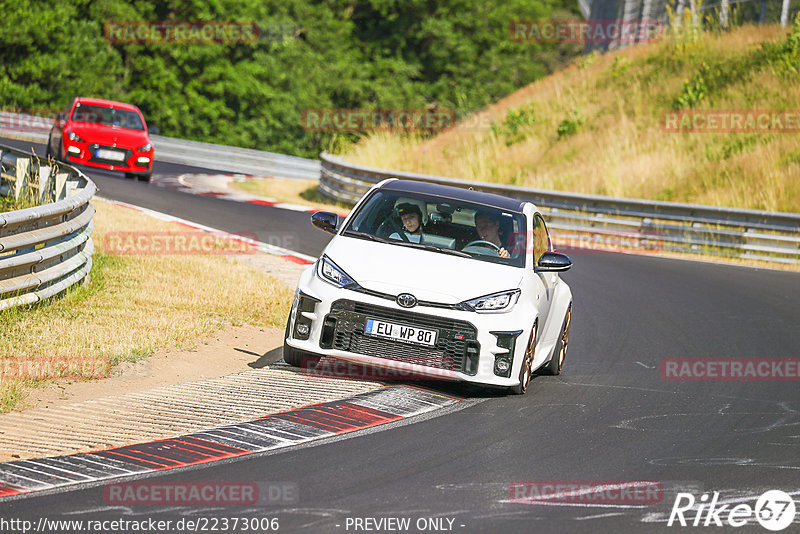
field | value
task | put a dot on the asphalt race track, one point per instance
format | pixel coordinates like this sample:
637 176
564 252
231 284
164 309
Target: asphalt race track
609 419
278 227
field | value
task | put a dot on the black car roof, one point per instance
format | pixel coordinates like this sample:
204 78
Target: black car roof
456 193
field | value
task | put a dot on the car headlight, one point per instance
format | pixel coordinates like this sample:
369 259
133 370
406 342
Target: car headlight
145 148
496 302
74 137
332 273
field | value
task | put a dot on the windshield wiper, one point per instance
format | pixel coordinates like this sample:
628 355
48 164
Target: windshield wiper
437 249
364 235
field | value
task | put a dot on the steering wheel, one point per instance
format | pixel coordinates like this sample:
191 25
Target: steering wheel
482 243
398 229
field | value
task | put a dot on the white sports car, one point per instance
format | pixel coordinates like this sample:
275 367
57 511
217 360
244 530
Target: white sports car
438 282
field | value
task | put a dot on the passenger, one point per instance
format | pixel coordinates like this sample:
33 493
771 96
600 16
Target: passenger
411 216
487 224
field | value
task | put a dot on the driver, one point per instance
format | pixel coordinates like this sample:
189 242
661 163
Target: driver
487 224
411 216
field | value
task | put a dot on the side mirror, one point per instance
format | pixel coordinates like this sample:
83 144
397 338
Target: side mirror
553 262
325 220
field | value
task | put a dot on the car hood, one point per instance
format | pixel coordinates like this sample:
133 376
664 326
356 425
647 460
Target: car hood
100 133
427 275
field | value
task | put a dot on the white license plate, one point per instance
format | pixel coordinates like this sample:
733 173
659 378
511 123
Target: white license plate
113 155
399 332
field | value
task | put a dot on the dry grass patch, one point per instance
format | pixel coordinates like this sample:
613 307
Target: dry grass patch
132 306
596 127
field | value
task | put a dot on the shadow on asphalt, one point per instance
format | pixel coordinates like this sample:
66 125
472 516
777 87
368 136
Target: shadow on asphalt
455 389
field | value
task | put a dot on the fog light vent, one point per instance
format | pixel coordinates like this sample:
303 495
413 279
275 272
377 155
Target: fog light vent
471 357
302 324
503 361
328 329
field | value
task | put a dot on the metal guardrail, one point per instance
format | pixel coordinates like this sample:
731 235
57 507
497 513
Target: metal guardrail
47 248
597 222
171 150
233 159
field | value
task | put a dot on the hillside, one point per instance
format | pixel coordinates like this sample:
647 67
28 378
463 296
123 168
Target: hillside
598 126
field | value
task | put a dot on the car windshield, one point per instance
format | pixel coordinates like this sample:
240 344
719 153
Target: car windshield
442 225
107 116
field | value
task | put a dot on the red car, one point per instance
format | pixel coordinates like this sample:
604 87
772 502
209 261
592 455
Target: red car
105 134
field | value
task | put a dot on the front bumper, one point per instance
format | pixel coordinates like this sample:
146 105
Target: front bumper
330 321
85 154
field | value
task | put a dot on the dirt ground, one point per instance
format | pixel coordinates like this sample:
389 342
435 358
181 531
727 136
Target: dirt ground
228 351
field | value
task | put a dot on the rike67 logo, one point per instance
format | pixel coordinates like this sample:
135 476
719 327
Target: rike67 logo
774 510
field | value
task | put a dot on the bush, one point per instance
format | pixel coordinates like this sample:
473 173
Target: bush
571 124
514 127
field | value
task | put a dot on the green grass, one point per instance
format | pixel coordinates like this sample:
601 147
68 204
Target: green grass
11 204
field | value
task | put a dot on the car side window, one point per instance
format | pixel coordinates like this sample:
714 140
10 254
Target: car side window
541 241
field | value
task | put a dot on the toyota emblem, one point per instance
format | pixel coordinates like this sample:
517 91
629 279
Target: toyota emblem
406 300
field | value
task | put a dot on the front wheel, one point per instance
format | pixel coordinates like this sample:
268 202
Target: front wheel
527 364
292 356
556 362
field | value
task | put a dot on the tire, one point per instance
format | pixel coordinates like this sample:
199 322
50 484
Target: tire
525 370
49 154
144 177
556 363
292 356
130 176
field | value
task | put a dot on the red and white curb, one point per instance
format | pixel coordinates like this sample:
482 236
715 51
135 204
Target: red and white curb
275 431
289 255
188 183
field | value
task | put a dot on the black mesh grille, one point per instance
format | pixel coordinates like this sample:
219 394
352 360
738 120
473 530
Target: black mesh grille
448 353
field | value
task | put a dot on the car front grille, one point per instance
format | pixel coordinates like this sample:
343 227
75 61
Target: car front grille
456 346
